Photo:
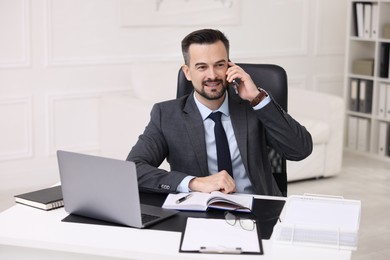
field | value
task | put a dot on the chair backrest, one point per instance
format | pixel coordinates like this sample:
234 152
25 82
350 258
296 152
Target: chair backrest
273 79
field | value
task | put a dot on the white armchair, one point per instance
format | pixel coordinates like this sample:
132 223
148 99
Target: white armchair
323 116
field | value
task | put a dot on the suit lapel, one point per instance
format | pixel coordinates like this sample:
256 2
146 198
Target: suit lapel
238 116
194 124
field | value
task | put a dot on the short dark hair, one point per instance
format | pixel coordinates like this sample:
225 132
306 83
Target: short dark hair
204 36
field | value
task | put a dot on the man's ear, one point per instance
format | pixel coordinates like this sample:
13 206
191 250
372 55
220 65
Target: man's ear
186 71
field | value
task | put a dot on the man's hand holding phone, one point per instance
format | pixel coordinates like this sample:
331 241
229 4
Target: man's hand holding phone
241 82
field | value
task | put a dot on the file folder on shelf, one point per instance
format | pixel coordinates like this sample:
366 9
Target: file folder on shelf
382 100
365 96
359 24
382 138
363 141
374 20
319 221
387 113
354 95
352 140
367 20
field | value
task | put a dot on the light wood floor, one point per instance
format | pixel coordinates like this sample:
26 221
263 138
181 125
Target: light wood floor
361 178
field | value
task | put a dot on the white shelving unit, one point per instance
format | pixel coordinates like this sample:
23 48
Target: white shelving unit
359 48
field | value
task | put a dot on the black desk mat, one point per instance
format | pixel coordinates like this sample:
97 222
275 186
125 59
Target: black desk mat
267 212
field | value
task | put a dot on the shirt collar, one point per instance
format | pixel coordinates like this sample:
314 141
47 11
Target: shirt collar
205 111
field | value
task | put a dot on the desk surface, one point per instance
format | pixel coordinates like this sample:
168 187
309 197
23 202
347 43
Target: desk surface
27 232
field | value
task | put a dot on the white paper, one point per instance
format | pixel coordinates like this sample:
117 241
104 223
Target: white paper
323 213
319 221
217 233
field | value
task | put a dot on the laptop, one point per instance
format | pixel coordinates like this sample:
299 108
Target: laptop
105 189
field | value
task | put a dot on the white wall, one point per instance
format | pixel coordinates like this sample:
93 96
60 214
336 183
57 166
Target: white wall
58 57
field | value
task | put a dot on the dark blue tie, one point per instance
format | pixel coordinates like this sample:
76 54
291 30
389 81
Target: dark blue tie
223 152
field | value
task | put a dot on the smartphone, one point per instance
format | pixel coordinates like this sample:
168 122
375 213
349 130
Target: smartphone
235 83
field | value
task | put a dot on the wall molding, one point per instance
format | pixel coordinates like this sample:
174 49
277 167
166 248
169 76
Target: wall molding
52 61
318 51
25 61
185 14
26 151
54 98
300 82
333 79
301 51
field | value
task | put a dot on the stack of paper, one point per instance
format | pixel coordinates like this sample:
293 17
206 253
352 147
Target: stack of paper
321 221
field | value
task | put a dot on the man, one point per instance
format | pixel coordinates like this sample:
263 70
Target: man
182 130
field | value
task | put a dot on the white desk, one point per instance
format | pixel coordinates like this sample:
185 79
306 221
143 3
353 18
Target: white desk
29 233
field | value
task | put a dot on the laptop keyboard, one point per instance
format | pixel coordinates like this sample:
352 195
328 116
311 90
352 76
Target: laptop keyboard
147 218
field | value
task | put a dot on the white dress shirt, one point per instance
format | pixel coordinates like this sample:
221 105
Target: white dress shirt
243 184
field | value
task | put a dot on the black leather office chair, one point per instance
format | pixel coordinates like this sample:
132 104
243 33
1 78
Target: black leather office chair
273 79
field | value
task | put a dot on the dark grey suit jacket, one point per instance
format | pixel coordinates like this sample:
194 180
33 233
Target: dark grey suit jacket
176 132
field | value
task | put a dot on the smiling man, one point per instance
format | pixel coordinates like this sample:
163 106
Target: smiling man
213 138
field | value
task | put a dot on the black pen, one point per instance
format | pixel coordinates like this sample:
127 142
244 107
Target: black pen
184 198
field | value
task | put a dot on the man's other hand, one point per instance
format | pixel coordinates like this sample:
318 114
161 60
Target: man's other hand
220 181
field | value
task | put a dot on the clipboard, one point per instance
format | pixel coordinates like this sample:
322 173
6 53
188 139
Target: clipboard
215 236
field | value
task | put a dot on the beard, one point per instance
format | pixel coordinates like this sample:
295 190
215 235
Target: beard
214 93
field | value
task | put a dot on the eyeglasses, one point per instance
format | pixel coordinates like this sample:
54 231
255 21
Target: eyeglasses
247 223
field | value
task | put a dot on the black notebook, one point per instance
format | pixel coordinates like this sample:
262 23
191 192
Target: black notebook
45 199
